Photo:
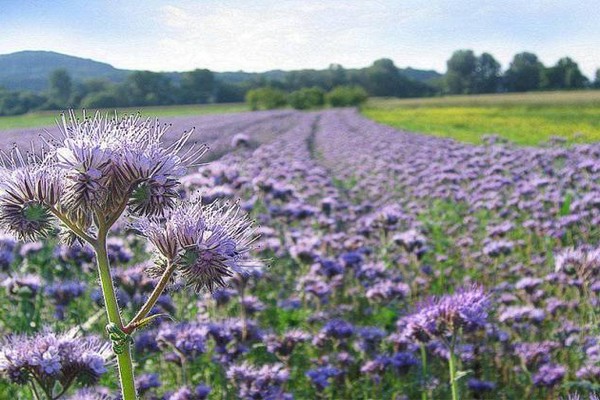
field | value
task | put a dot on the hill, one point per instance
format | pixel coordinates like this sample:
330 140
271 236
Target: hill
29 70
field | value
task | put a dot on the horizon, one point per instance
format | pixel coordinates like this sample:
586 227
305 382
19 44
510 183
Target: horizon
226 36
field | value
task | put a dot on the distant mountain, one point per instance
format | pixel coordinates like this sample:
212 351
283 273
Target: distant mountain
29 70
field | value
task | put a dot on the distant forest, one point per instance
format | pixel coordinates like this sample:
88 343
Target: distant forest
102 86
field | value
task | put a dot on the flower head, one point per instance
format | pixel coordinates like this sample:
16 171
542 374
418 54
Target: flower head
440 317
208 244
50 358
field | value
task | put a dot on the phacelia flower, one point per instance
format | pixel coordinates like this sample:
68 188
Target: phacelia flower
206 244
440 317
49 358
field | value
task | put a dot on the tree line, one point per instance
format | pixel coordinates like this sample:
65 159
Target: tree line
467 73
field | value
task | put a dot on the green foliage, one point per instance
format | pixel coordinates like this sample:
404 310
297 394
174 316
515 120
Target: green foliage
461 69
197 87
60 87
468 73
564 75
306 98
346 96
524 73
266 98
103 99
146 88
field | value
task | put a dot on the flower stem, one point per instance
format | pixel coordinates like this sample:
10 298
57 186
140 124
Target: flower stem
124 361
154 296
424 372
452 367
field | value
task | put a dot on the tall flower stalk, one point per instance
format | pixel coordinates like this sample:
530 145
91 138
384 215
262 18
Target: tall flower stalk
102 168
444 319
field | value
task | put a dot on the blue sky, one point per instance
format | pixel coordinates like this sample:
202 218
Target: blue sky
265 34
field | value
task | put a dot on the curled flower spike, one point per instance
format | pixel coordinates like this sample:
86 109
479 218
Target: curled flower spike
207 244
26 193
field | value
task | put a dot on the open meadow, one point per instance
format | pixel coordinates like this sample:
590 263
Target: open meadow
523 118
391 265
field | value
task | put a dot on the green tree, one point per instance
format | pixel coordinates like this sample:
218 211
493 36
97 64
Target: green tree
146 88
61 86
306 98
346 96
266 98
461 72
524 73
486 77
197 87
596 83
564 75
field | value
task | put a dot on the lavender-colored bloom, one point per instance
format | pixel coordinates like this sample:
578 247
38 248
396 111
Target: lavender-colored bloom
28 189
7 251
320 377
535 353
496 248
370 338
28 284
521 314
208 244
286 345
189 339
201 392
252 305
92 394
467 309
62 293
583 261
50 358
338 329
549 375
146 382
479 386
388 290
259 383
411 240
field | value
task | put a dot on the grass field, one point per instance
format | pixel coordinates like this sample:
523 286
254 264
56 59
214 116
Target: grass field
46 118
526 119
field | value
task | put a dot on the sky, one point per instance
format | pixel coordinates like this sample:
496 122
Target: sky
261 35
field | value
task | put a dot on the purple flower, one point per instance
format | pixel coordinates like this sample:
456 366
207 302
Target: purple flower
338 329
146 382
320 377
259 382
549 375
207 244
467 309
50 358
479 386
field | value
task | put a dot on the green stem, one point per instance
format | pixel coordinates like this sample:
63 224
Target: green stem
124 361
424 372
452 367
154 296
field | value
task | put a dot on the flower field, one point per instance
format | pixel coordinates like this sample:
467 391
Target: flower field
390 265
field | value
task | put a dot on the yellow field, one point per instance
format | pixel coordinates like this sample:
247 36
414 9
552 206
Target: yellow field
528 118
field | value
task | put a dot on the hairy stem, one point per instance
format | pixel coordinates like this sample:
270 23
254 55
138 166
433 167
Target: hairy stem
124 360
424 371
73 227
147 307
452 368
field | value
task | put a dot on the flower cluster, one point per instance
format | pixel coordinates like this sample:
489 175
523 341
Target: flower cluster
466 309
49 358
204 245
89 174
